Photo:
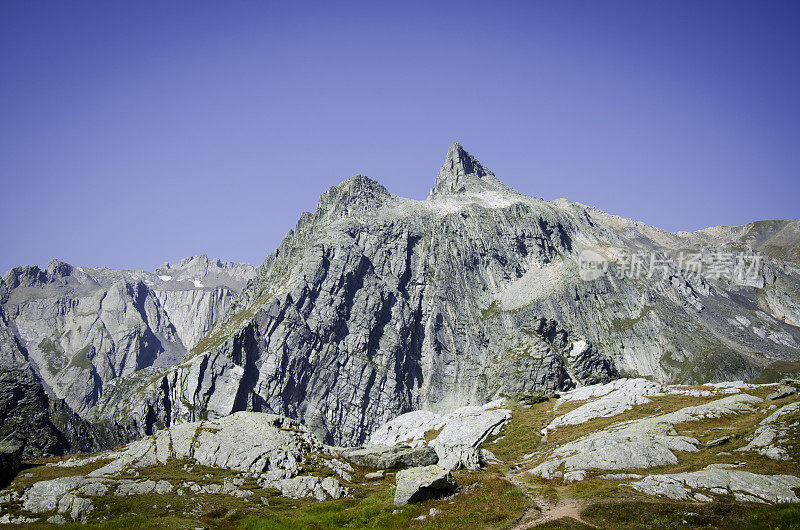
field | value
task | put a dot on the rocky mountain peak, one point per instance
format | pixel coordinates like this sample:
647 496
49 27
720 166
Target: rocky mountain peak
353 196
463 173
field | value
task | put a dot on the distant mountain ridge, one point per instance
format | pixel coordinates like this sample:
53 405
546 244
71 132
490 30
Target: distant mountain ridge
72 331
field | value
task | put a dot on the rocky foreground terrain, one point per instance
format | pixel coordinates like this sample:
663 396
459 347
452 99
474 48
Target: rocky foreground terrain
478 357
626 454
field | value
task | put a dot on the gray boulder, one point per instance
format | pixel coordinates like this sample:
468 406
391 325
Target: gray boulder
306 486
388 457
719 441
782 392
419 483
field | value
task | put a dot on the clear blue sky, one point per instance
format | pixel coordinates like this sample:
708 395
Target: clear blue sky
136 132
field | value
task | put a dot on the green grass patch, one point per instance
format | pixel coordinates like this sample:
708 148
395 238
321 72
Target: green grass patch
81 358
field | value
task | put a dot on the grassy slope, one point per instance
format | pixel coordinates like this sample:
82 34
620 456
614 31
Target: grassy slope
611 504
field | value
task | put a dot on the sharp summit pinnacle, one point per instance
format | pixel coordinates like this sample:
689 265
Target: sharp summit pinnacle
463 173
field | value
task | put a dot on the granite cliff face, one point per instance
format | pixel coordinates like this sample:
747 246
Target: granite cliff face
68 332
376 305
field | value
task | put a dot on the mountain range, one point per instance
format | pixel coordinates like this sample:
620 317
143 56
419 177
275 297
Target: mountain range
375 305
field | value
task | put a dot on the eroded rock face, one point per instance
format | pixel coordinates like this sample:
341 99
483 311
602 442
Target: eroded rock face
10 457
419 483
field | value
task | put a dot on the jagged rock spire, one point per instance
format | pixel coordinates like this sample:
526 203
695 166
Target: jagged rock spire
463 173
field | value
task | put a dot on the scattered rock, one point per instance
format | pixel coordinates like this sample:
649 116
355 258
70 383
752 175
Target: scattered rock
719 441
277 446
131 487
388 457
374 476
7 519
782 392
341 468
532 398
772 434
419 483
306 486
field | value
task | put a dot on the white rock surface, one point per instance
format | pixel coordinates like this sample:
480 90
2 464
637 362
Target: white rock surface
742 484
614 398
734 404
66 495
638 444
611 451
275 445
772 434
460 432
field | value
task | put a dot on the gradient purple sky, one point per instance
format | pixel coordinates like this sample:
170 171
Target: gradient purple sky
136 132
